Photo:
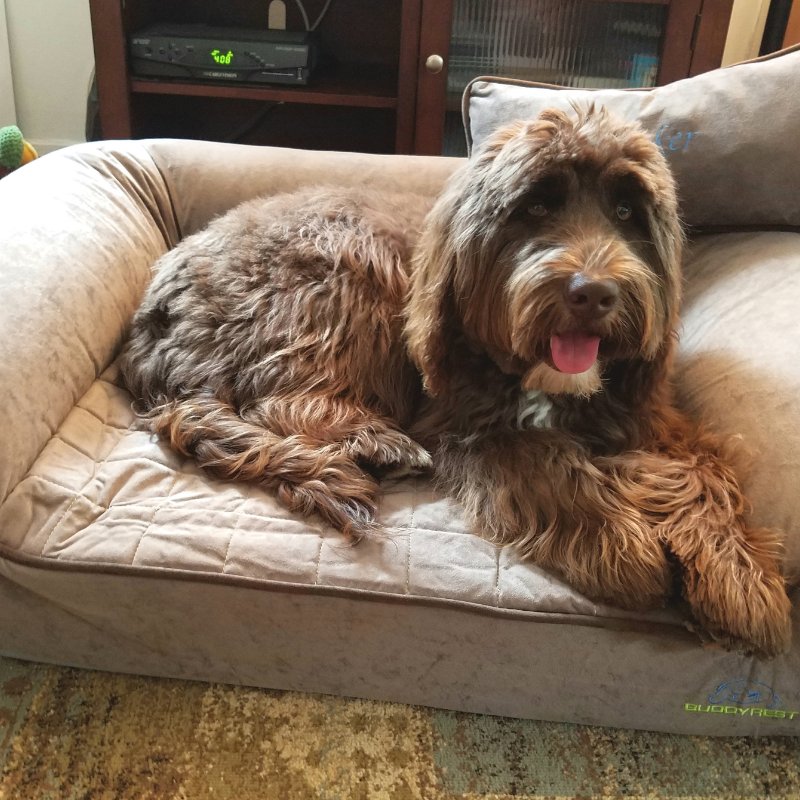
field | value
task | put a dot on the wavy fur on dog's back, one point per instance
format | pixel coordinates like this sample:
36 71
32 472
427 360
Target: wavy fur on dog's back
255 347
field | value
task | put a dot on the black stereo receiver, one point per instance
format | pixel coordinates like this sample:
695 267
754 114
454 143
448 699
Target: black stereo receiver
205 52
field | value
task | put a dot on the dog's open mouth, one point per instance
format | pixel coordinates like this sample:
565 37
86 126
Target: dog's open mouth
573 353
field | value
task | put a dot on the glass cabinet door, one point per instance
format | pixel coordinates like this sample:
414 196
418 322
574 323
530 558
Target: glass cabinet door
576 43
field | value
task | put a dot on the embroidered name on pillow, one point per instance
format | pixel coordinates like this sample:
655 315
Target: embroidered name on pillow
674 141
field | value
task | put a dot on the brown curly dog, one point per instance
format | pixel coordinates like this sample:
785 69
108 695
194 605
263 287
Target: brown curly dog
518 340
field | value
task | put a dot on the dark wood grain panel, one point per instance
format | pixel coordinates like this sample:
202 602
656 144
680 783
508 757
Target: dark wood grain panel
715 16
676 55
792 35
407 75
434 38
111 68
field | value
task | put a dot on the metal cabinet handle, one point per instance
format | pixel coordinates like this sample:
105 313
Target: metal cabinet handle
434 64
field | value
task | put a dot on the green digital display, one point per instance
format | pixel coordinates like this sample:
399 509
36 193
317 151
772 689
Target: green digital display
222 58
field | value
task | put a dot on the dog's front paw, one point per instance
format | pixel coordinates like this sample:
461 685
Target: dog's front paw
417 458
752 615
394 451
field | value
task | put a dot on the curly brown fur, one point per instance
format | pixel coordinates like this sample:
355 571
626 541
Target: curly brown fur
610 482
286 343
269 347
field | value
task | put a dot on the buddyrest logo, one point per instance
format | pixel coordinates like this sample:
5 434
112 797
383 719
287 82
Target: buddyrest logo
743 698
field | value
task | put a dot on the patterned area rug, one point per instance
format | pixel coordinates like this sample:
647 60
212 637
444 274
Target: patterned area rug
68 734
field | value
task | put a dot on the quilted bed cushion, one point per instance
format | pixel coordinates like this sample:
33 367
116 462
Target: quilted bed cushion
731 136
105 492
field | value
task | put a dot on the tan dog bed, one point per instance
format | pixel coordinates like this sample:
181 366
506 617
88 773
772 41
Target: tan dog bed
117 554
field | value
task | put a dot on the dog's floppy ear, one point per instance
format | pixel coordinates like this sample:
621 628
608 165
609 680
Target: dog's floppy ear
431 323
650 168
668 238
449 238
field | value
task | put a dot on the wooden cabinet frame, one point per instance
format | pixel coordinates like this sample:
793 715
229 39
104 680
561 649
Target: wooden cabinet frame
694 39
113 19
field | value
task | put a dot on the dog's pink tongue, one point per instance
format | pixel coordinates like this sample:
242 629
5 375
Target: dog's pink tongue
574 352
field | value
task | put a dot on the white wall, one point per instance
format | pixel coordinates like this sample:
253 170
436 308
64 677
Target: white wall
8 114
50 43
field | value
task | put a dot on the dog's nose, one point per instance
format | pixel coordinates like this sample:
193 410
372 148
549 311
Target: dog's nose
589 298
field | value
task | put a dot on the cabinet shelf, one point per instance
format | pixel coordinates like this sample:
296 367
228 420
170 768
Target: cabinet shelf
364 87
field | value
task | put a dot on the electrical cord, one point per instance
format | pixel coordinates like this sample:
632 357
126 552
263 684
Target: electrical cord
321 15
303 13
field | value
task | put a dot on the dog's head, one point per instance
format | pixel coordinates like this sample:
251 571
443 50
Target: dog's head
555 251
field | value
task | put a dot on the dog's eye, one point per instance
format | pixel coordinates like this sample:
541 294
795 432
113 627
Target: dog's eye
624 211
537 210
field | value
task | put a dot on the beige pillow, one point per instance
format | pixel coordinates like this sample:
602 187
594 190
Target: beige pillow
732 136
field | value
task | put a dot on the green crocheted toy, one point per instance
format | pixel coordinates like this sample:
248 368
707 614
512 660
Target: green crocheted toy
14 150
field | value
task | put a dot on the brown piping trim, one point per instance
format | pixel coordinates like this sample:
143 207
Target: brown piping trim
260 584
466 96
